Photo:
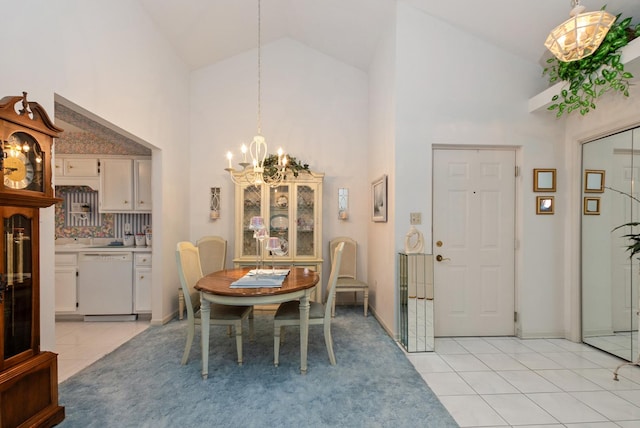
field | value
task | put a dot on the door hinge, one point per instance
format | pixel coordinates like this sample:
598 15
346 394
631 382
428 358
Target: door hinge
517 171
515 317
77 305
77 273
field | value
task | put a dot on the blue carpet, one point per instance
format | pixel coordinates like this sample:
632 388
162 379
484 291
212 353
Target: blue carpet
142 384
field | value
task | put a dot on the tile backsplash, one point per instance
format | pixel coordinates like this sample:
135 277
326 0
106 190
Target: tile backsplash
92 224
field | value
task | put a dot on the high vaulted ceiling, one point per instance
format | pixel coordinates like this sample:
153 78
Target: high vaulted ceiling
206 31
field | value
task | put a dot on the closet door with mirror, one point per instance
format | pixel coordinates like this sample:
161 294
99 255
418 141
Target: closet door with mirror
610 278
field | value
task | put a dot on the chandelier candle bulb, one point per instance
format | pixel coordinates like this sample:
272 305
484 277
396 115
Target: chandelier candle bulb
229 156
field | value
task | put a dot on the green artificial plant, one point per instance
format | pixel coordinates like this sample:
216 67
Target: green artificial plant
293 165
592 76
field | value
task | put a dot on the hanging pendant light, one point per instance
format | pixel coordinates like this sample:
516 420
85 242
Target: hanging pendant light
579 36
255 172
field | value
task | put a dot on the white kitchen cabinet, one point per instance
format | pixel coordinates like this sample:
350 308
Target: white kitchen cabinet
66 268
76 171
80 167
125 185
116 185
142 184
142 283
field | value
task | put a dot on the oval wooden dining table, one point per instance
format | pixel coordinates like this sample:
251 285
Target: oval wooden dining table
215 287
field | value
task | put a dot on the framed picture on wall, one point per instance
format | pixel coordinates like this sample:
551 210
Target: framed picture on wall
591 206
379 199
593 180
544 204
544 180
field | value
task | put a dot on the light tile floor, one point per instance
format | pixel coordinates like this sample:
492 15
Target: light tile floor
79 343
483 382
506 381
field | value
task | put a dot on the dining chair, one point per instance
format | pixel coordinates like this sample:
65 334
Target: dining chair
189 271
213 256
288 313
213 253
347 280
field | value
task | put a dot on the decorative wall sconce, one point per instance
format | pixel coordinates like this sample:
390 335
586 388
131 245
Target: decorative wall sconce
215 203
343 203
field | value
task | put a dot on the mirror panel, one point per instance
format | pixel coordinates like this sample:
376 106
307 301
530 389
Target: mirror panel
609 276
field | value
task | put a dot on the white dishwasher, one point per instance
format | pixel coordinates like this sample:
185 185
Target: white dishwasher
105 284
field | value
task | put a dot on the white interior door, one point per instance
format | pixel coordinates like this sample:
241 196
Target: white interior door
474 235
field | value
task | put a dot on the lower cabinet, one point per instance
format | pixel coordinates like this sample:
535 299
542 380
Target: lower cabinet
66 282
142 283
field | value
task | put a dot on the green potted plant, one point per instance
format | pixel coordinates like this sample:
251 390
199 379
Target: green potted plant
595 75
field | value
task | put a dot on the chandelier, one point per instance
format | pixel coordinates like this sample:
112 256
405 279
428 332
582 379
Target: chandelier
580 35
262 169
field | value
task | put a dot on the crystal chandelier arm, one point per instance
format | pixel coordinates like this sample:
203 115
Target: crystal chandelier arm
258 152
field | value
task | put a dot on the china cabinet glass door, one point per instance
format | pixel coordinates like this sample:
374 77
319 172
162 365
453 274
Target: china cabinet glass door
305 215
17 293
252 207
279 220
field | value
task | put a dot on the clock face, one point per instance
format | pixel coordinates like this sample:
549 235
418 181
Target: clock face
18 171
22 164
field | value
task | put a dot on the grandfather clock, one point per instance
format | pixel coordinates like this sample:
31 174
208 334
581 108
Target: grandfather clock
28 377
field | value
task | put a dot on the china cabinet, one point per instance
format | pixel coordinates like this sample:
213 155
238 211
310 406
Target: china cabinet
28 376
292 212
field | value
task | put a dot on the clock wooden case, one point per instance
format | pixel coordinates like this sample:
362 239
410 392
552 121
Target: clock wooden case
28 376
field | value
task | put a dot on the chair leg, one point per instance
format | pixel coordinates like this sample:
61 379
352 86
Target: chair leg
229 330
180 305
251 326
187 348
333 307
328 340
239 341
366 301
276 345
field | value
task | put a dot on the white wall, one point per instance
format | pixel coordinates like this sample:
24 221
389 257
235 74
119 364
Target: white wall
313 106
453 89
107 58
381 153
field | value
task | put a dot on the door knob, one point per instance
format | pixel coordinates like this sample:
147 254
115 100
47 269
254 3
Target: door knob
440 258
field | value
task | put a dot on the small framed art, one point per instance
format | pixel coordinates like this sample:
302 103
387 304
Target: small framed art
591 206
593 181
379 199
544 180
544 204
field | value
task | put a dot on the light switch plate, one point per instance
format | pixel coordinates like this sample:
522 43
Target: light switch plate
415 218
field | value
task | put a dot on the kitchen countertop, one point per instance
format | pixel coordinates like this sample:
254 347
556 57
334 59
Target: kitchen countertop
69 245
